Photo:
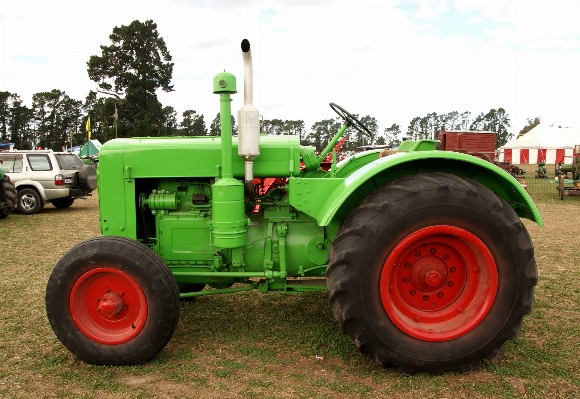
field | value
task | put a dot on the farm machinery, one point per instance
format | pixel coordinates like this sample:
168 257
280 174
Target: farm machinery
7 194
569 174
541 172
422 252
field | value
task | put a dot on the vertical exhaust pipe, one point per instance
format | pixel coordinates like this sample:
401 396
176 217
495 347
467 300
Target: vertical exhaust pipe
248 122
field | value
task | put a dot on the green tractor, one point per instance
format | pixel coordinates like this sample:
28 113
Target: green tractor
425 260
7 194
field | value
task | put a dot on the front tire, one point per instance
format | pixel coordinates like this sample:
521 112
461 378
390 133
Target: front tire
29 201
112 301
431 273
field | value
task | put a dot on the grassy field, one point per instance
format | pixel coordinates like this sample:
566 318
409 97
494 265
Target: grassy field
249 345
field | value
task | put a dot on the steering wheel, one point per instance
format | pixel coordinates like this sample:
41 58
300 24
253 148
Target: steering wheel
350 120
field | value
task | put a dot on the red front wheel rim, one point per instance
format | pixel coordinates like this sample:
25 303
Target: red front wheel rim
438 283
108 306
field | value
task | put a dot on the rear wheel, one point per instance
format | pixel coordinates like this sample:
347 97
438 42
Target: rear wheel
7 197
62 203
431 273
112 301
29 201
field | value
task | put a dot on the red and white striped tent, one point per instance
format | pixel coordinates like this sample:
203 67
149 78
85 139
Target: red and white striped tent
542 144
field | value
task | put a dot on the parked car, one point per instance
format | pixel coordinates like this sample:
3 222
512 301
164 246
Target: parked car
44 176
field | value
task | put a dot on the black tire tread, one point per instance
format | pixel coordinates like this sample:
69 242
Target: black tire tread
62 203
8 196
360 226
159 279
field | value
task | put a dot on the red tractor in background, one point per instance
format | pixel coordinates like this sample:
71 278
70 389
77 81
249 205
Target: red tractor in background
480 145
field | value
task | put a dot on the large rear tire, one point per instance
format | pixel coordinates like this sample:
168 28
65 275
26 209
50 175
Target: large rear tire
7 196
112 301
431 273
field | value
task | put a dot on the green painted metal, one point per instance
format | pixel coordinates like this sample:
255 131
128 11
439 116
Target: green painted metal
184 157
123 161
228 214
352 185
217 291
161 200
184 197
418 145
331 144
228 222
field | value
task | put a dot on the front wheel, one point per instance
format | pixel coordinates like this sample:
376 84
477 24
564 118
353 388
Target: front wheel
431 273
29 201
112 301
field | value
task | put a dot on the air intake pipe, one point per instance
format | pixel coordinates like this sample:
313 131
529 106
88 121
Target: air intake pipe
248 122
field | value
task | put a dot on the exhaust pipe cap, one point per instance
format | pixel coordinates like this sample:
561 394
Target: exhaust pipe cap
245 45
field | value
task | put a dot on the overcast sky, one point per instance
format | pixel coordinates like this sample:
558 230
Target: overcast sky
393 60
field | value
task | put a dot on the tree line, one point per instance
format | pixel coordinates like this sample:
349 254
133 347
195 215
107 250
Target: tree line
124 104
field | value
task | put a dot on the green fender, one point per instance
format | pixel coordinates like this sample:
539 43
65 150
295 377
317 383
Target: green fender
325 199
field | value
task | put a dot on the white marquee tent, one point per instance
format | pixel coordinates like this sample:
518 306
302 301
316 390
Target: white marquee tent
542 144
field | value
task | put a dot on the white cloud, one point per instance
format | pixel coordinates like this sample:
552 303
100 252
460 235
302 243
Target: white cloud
367 56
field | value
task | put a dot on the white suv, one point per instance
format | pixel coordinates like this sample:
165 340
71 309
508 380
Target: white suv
44 176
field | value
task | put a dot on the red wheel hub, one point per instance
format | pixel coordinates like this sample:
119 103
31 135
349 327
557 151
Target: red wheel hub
108 306
438 283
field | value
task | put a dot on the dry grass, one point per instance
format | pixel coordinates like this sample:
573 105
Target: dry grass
247 345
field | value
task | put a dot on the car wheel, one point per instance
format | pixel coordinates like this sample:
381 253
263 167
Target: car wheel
62 203
29 201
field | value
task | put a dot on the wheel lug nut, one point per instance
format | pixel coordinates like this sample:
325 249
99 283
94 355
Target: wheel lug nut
432 251
405 280
450 284
418 254
439 295
476 270
425 297
407 265
412 292
445 257
452 269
